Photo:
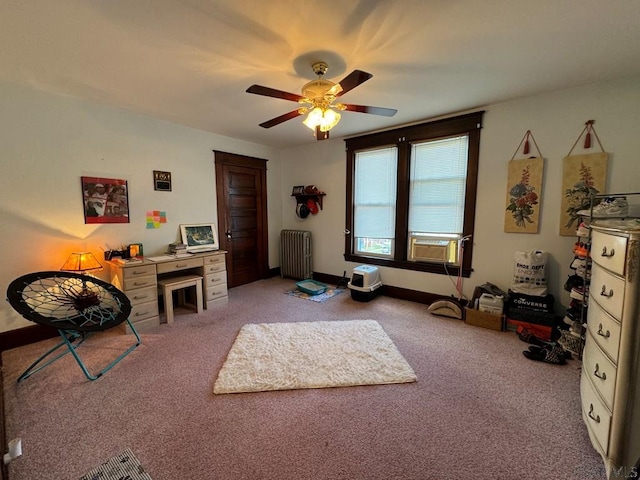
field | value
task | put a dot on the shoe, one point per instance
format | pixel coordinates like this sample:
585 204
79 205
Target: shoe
583 230
581 250
578 262
584 272
577 328
528 337
579 293
608 207
536 349
554 355
573 281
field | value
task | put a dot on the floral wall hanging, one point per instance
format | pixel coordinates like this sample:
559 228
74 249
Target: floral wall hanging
524 190
583 176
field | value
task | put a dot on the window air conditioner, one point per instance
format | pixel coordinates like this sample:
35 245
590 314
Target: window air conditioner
433 249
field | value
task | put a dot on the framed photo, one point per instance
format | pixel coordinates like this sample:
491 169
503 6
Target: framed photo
199 237
299 190
105 200
162 181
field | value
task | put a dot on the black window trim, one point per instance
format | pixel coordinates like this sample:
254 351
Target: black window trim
403 137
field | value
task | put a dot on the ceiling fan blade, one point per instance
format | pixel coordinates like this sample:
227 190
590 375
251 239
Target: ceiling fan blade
352 80
282 118
320 135
387 112
272 92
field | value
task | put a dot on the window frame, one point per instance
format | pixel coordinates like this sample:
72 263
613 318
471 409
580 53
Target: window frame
469 124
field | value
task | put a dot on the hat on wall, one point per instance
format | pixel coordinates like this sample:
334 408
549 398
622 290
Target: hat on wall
312 206
302 211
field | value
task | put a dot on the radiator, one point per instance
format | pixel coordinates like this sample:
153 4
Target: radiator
295 254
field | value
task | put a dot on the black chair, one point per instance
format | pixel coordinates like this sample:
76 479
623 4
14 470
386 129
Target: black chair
76 305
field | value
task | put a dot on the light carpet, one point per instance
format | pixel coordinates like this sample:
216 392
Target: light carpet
288 356
124 466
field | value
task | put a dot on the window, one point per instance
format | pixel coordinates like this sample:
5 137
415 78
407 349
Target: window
411 195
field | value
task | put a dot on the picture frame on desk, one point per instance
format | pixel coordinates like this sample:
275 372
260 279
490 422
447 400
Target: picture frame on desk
135 250
200 237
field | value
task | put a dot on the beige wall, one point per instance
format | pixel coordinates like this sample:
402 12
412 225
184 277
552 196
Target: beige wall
49 142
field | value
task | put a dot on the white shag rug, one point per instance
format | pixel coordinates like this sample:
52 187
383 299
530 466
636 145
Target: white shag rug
287 356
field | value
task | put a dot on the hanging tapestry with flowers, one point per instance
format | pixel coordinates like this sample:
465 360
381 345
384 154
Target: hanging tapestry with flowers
524 187
582 176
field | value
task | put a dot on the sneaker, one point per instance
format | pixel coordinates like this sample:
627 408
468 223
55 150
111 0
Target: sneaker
584 271
608 207
581 250
577 263
579 293
573 281
583 230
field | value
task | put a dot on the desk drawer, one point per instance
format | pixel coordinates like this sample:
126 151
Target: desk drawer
182 264
216 278
139 282
216 291
600 370
604 329
138 271
609 251
143 311
143 295
214 260
214 267
607 290
595 414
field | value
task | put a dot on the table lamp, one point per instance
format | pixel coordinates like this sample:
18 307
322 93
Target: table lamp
81 263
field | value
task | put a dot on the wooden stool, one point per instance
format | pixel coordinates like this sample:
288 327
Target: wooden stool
168 285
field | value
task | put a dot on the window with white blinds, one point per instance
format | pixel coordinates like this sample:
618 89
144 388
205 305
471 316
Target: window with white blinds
437 185
411 195
375 200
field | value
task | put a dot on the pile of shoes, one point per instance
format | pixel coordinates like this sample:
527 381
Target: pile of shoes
541 350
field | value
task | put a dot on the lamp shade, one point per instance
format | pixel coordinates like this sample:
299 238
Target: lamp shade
325 118
81 262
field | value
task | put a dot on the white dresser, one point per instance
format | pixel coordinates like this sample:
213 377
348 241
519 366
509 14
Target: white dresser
610 382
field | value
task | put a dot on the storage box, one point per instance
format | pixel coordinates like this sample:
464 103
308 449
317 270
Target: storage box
477 318
365 283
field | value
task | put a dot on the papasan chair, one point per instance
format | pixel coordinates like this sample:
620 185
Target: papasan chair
76 305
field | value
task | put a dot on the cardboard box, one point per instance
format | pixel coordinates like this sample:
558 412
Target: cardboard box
477 318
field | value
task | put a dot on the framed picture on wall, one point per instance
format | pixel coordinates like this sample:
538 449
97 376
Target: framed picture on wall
105 200
162 181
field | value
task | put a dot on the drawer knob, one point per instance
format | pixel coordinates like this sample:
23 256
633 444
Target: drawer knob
595 418
604 293
599 374
602 333
609 254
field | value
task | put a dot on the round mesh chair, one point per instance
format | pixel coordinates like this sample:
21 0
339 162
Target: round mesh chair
76 305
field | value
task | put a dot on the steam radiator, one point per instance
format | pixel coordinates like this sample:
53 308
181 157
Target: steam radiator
295 254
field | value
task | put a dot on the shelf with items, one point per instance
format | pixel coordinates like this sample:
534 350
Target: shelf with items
308 200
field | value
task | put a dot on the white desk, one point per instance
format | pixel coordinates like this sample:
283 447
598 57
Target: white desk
139 282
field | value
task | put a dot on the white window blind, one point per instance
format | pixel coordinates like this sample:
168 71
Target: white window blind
437 185
375 193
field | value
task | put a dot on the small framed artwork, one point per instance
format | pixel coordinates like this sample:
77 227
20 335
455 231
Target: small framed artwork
105 200
162 181
135 250
299 190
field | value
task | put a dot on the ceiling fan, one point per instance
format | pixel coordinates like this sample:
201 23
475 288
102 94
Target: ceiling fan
317 100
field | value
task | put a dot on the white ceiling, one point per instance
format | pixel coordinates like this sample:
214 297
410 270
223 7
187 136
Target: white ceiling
190 61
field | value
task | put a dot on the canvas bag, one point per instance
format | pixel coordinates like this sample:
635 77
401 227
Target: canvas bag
530 273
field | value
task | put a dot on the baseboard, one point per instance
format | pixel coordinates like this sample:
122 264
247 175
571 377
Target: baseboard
25 336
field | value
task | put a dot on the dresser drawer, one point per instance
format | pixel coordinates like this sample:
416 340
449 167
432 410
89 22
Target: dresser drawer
604 329
595 414
607 290
143 295
216 278
609 251
182 264
139 282
138 271
600 370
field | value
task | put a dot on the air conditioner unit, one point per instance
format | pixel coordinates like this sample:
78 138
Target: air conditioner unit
433 249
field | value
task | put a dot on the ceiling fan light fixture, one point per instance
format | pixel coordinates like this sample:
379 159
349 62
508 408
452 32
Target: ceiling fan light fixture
325 119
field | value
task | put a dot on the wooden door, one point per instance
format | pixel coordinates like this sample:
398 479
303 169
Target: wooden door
242 216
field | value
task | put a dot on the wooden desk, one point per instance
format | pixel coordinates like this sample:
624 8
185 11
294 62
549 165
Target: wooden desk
139 282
